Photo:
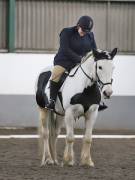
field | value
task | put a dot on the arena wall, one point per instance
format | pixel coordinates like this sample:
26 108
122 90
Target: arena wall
18 75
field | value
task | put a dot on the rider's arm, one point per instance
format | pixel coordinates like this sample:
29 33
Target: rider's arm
65 49
94 46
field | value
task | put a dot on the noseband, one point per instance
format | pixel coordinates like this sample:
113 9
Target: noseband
100 83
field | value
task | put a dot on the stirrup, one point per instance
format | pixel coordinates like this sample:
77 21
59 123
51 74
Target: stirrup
51 105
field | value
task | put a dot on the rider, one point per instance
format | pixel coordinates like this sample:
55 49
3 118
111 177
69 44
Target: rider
75 42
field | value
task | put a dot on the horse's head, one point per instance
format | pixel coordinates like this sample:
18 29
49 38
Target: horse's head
104 70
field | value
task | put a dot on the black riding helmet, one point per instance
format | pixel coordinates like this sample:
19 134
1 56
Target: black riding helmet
86 23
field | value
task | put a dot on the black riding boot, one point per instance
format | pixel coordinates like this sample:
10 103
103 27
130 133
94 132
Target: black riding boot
102 107
54 88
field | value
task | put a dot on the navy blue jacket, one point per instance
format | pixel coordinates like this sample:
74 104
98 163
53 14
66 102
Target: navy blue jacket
73 47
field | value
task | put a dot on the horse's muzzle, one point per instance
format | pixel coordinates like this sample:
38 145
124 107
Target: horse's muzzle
107 94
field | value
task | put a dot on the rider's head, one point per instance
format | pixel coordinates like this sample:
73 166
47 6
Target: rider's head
86 23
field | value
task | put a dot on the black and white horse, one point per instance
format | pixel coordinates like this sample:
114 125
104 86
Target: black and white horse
80 95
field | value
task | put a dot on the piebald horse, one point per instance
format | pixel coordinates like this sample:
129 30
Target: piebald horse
80 95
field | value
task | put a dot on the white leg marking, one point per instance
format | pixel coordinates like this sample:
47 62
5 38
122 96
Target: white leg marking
90 118
44 133
69 152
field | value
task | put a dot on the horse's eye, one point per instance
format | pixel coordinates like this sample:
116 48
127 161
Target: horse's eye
100 67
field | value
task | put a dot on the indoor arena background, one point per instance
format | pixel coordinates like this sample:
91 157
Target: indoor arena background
29 40
29 32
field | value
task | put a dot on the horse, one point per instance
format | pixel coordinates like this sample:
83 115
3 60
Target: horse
80 94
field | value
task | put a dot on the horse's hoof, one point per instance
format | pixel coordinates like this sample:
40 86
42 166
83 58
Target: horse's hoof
42 165
49 162
88 163
56 162
68 163
91 164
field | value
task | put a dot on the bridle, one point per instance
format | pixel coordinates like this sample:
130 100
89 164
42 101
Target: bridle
100 83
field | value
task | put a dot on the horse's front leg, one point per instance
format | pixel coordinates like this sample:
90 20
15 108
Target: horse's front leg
90 118
71 114
44 138
69 153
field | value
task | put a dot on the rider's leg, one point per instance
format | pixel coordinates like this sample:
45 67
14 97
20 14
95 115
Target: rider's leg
54 85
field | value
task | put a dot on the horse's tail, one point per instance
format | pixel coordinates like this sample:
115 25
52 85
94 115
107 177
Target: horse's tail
49 118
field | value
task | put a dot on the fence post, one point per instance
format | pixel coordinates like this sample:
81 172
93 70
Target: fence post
11 25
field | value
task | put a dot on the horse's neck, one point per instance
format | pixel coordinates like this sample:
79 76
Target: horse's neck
80 76
77 83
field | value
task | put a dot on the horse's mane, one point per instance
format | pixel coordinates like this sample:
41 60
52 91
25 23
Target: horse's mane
74 70
89 54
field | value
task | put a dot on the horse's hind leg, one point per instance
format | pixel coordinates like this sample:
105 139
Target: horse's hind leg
90 118
44 137
54 137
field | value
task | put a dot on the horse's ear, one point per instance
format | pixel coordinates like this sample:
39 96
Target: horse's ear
114 52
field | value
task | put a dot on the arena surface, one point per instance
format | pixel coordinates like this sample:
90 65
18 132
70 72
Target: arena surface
19 160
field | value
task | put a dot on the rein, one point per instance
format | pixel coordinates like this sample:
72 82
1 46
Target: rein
86 74
79 66
72 75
